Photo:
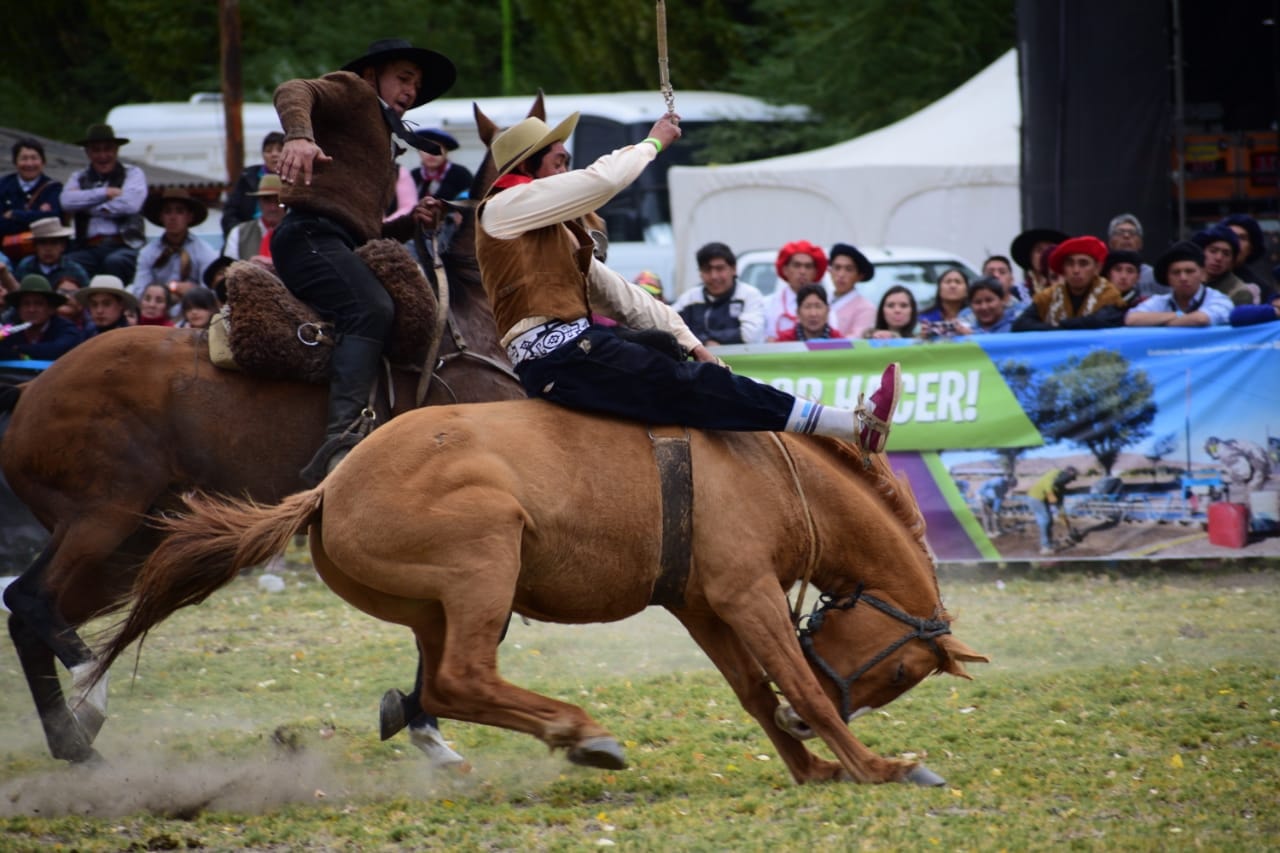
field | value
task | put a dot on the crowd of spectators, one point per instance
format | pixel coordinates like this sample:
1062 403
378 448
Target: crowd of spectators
81 246
1068 282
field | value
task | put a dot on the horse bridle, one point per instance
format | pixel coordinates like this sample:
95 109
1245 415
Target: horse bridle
927 630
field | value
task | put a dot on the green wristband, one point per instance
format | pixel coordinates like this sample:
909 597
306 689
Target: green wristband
656 143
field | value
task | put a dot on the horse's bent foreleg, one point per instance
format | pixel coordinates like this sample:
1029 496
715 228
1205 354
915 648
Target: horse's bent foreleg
758 615
751 685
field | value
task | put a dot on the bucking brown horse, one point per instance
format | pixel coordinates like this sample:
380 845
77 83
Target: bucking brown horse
123 424
449 519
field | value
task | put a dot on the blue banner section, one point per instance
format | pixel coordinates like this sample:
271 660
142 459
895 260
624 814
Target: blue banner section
1173 436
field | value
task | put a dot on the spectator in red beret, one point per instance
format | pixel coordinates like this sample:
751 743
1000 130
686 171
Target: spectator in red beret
798 263
1083 299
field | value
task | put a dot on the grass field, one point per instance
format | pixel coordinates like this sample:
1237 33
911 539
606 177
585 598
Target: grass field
1117 713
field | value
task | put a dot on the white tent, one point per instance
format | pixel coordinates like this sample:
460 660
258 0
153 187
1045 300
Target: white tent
945 177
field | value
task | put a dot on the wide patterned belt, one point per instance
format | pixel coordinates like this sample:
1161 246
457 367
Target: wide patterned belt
541 340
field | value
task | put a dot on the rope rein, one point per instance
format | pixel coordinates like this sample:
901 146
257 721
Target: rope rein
811 529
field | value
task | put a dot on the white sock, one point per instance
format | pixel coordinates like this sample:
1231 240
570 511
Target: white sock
810 417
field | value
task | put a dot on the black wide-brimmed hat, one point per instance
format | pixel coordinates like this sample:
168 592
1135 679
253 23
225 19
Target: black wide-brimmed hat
101 133
1020 249
866 269
438 72
154 205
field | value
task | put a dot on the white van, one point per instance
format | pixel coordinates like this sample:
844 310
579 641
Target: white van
191 136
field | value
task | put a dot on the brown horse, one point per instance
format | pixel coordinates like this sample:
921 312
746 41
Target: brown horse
126 422
448 519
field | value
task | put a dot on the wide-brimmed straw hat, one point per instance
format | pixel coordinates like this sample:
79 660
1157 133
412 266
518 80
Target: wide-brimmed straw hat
50 228
511 147
438 72
107 284
34 283
101 133
154 204
269 185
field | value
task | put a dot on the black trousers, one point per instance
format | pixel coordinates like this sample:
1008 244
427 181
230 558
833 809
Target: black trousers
315 258
600 372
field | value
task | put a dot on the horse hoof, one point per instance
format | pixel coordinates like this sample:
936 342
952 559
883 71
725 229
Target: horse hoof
439 754
89 719
391 718
923 776
599 752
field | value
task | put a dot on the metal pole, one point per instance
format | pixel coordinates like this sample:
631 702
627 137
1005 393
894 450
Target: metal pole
1179 122
232 86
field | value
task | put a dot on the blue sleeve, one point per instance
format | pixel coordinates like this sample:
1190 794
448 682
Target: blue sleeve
1252 315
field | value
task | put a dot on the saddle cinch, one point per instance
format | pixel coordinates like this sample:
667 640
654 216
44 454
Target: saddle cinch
264 330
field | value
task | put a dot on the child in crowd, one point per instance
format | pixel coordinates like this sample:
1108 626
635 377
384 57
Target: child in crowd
198 307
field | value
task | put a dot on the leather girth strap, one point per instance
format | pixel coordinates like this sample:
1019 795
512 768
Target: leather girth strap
675 477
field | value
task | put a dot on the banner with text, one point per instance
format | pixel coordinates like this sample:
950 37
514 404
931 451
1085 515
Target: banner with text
1174 436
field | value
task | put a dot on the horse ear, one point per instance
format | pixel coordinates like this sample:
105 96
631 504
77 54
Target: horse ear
539 108
484 125
955 652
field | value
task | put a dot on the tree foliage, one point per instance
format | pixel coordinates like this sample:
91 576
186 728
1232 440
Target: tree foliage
1024 384
1098 402
858 63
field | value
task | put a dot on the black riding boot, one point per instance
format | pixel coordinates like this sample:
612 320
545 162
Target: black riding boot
353 372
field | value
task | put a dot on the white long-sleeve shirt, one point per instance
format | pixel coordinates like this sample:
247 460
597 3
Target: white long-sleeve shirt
556 199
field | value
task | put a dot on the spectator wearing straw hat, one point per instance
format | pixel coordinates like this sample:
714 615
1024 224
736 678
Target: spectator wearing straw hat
1083 299
243 201
251 240
106 199
46 335
52 239
177 258
106 299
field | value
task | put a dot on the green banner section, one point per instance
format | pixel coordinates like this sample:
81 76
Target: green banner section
953 396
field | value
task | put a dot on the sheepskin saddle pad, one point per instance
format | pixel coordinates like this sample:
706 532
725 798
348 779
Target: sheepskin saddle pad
274 335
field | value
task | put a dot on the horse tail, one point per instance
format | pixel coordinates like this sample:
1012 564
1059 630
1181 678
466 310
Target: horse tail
203 550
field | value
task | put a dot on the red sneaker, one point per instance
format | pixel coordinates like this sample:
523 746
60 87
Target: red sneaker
877 419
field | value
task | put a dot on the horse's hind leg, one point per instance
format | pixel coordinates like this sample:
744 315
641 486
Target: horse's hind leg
399 711
39 633
465 686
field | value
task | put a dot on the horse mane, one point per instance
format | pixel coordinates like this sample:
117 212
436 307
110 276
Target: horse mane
893 489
